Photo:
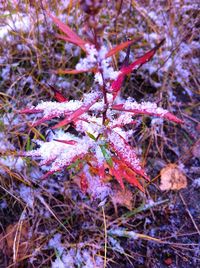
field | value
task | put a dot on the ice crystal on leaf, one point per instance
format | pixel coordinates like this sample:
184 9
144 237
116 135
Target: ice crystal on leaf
90 61
101 151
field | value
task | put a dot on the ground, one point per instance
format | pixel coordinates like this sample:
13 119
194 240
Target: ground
51 222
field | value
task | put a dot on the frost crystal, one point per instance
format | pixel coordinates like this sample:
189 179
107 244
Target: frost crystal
58 263
123 119
115 245
90 61
62 154
98 58
148 107
196 183
27 194
58 109
9 161
18 22
98 78
55 242
99 155
78 258
121 232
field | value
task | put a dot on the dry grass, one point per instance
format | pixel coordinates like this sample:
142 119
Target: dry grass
166 231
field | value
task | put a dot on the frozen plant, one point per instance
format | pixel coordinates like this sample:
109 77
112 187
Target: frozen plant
101 151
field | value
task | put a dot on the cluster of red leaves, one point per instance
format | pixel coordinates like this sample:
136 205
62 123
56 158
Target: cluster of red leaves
121 165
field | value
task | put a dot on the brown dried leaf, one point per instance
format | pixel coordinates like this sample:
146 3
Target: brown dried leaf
17 238
172 178
123 198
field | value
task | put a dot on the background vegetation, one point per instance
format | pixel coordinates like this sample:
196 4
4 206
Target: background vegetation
51 223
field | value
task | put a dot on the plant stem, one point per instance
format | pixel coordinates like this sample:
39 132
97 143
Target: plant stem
104 97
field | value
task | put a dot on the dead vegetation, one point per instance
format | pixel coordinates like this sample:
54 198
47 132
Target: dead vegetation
51 223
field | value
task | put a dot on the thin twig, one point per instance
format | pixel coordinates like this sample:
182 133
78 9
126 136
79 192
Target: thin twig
105 232
190 215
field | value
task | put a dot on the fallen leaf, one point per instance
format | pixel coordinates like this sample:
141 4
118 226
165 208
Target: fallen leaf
172 178
17 238
123 198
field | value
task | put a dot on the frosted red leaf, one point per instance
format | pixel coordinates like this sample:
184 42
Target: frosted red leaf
121 46
72 36
125 70
125 152
146 108
83 109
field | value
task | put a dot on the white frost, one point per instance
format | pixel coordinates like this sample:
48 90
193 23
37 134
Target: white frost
27 194
145 107
60 153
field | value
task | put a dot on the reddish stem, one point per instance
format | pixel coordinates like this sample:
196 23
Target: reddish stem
104 97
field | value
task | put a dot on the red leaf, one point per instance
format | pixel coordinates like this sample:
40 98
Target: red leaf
121 46
173 118
131 178
30 111
59 168
117 173
125 70
83 182
73 37
57 95
101 170
168 261
71 142
125 153
155 112
128 174
117 84
75 42
42 120
145 58
46 118
73 116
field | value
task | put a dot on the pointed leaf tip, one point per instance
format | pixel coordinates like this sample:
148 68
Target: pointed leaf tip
173 118
121 46
125 70
57 95
71 35
71 142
